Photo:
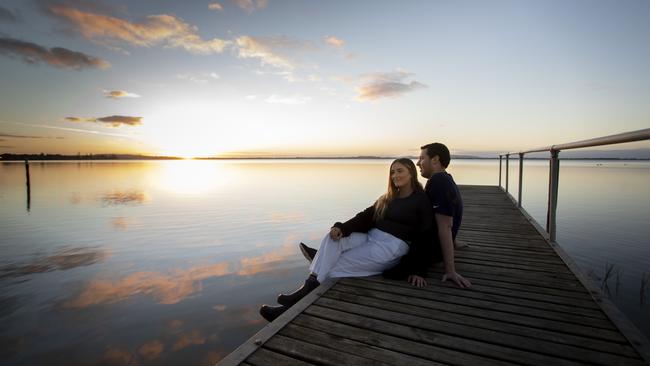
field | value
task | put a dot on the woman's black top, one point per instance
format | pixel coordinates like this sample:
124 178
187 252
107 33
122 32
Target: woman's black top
407 218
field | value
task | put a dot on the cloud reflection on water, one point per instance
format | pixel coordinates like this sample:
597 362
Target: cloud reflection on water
63 260
123 197
180 283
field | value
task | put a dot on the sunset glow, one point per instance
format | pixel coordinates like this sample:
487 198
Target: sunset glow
292 78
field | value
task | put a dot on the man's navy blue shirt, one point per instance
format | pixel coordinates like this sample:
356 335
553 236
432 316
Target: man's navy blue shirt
445 198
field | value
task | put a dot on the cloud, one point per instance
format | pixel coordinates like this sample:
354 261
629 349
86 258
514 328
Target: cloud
117 94
114 121
188 339
62 260
21 136
250 5
215 6
386 85
263 49
200 78
151 350
60 57
293 100
123 198
334 41
6 14
110 31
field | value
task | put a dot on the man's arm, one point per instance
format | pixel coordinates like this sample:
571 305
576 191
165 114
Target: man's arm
447 245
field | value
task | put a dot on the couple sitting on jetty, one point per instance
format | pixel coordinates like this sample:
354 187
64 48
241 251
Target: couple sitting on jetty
400 235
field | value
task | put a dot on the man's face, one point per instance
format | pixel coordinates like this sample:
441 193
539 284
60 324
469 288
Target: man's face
425 164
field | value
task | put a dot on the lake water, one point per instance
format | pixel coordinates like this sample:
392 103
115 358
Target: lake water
167 262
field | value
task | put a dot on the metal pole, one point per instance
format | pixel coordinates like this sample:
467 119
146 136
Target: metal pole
553 181
521 177
507 170
500 158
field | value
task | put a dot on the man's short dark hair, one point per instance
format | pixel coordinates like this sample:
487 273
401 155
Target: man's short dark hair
439 149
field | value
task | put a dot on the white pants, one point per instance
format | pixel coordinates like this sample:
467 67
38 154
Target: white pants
357 255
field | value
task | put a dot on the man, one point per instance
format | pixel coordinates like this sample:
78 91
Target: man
447 207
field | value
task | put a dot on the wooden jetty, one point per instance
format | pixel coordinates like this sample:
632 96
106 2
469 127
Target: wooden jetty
529 305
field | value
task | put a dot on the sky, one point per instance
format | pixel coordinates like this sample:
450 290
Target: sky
319 78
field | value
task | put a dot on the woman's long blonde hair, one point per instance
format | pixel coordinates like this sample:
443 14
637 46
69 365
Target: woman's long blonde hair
393 191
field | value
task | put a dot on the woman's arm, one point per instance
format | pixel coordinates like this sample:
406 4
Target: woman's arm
360 223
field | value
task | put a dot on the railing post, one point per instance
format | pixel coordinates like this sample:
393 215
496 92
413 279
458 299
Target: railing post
553 180
507 170
521 177
500 158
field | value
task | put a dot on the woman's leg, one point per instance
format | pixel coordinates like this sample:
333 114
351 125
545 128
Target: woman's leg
380 252
330 252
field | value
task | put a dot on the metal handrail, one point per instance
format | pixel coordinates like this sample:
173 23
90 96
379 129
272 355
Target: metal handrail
554 167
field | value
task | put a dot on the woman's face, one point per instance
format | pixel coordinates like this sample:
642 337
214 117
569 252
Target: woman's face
399 175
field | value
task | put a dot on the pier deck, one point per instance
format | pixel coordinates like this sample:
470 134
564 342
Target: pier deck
528 305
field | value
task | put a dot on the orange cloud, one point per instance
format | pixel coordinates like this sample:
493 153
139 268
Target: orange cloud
179 284
117 356
166 289
151 350
168 30
334 41
188 339
263 49
117 94
262 263
385 85
123 198
120 223
113 121
60 57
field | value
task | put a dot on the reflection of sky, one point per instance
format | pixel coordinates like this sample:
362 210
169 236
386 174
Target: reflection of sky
179 278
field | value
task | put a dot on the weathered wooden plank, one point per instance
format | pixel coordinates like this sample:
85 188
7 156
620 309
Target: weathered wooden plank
315 354
479 289
264 357
487 313
533 288
496 299
345 342
487 302
511 277
474 322
432 332
488 256
433 354
556 270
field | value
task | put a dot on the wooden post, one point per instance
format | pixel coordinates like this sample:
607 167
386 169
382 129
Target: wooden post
28 183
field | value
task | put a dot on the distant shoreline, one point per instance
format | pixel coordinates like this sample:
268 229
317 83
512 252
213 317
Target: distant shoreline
104 157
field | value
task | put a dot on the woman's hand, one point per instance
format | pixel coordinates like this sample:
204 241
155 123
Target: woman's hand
417 281
336 233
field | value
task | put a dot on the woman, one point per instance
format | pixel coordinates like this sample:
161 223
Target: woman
373 240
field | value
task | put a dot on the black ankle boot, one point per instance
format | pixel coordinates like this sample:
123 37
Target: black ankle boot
271 312
289 299
307 252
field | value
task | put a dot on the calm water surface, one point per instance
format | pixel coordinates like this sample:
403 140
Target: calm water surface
167 262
